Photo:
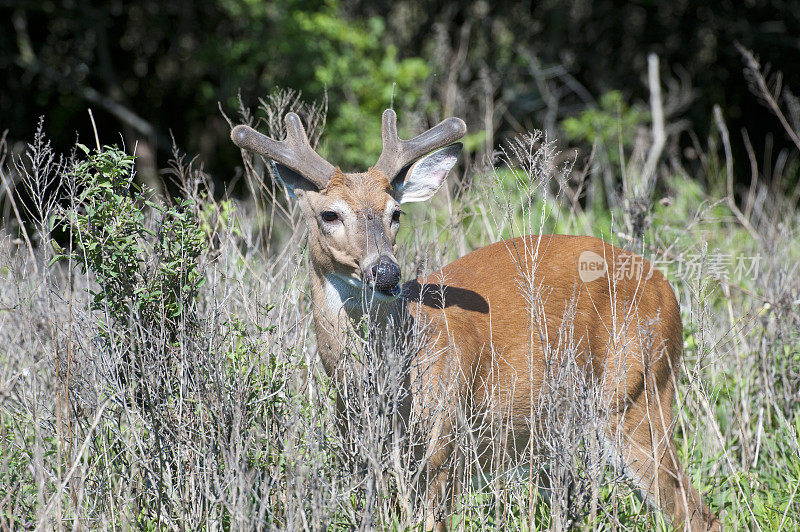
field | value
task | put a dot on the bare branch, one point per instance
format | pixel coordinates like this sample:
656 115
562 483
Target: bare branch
754 73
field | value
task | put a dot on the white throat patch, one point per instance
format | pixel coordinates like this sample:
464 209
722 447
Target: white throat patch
349 292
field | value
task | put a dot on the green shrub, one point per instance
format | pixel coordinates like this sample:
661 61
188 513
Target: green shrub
611 126
147 274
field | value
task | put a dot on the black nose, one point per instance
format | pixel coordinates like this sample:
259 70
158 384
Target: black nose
385 274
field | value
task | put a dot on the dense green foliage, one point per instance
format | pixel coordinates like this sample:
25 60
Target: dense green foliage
504 67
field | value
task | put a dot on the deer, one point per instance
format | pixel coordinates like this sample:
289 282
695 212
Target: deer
477 318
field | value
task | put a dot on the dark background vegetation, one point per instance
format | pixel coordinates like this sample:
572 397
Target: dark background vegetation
154 69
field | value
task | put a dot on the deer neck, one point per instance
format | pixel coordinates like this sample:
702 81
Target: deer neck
339 307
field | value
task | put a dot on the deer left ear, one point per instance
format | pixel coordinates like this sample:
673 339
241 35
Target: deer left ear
421 180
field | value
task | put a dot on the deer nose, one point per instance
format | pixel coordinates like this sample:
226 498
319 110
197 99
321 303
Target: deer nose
385 274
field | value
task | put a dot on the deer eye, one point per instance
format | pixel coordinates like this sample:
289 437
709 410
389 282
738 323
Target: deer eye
396 216
329 216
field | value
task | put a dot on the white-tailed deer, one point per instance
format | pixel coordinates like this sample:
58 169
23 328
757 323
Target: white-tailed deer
489 344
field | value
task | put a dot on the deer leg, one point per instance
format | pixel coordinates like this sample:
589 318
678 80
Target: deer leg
648 456
438 481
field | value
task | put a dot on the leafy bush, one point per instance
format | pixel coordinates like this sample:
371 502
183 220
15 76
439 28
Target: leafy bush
366 76
612 125
346 61
148 276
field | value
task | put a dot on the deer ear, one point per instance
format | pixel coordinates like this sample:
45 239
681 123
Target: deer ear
421 180
291 179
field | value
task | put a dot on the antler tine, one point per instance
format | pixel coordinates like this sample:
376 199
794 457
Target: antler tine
294 152
398 153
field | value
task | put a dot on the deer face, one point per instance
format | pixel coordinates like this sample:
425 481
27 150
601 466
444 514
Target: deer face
353 218
353 224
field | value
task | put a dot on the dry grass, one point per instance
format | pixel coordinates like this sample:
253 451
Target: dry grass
230 423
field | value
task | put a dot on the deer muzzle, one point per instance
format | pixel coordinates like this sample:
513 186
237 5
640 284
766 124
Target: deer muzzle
383 275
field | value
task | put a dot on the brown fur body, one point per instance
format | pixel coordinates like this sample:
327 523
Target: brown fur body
488 337
627 332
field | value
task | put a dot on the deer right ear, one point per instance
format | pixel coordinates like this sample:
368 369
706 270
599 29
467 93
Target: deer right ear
291 180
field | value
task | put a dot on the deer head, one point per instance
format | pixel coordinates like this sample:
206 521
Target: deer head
353 218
